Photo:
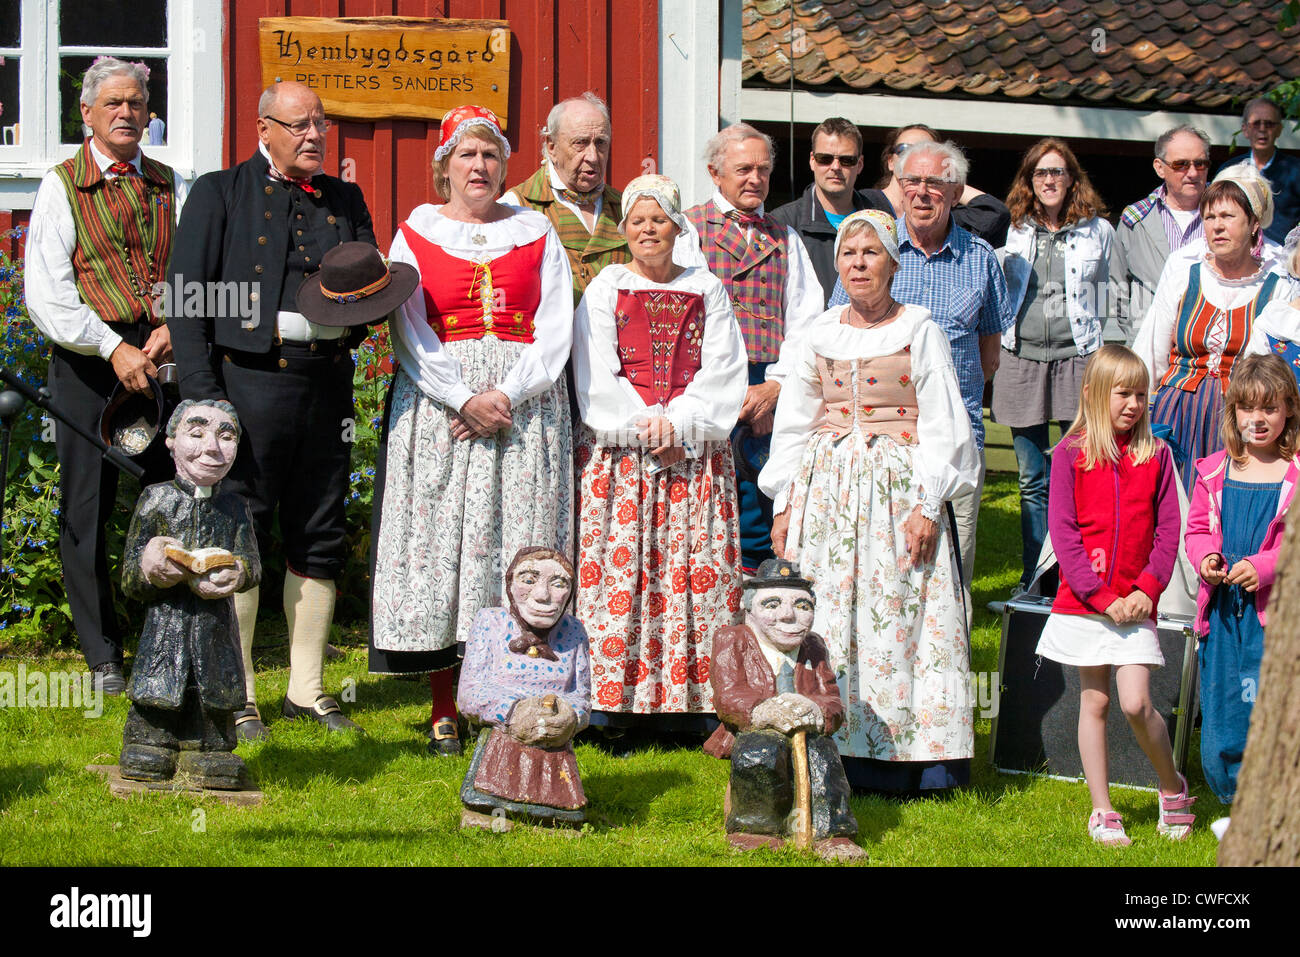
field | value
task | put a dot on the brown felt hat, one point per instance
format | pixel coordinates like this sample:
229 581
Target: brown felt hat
355 286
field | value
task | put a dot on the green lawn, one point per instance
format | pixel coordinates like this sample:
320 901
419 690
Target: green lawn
380 800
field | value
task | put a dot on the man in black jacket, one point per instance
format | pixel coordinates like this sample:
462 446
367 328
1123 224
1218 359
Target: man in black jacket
835 161
247 239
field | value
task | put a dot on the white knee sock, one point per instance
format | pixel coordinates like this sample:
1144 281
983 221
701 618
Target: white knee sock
309 609
246 616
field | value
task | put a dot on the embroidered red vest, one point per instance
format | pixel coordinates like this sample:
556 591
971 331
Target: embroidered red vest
468 300
753 273
659 337
124 235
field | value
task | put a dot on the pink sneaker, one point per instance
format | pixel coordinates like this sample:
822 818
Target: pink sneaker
1173 825
1107 827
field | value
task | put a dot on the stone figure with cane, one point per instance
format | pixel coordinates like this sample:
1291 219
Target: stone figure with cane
777 698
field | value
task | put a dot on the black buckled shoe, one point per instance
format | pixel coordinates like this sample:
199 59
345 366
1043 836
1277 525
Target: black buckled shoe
248 724
444 739
325 711
108 677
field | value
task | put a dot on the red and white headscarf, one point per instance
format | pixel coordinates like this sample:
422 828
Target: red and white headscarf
456 122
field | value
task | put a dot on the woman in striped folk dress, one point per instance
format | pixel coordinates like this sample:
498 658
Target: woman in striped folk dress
1203 311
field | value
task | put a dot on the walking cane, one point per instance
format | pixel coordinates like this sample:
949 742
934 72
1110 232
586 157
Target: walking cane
803 832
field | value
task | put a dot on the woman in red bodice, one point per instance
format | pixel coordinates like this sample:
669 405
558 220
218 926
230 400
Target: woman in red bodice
660 371
478 448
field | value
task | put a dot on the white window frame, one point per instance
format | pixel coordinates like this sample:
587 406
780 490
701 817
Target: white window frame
194 112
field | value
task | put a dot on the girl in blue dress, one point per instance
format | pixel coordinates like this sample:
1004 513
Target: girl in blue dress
1234 535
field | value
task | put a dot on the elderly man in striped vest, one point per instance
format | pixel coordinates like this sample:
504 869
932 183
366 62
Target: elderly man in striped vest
570 190
101 234
775 295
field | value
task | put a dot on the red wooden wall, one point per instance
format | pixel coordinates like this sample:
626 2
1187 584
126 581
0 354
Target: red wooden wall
559 48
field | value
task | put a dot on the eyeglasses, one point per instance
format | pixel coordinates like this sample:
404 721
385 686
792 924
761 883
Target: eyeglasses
1049 172
302 127
1182 166
826 159
1263 124
932 184
901 148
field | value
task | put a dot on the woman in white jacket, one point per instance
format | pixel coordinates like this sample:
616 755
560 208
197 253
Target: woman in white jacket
1057 260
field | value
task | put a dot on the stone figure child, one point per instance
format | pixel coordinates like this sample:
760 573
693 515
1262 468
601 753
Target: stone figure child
190 547
771 681
527 675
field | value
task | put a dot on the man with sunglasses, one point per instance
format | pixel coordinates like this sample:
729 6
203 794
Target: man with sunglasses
835 161
258 230
1153 228
1261 125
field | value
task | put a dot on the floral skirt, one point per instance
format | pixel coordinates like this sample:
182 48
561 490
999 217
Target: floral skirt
896 635
658 574
455 512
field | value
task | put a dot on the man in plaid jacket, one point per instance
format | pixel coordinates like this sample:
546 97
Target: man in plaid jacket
774 292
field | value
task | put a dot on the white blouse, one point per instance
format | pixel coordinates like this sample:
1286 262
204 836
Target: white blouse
1156 334
418 347
708 408
946 460
1278 319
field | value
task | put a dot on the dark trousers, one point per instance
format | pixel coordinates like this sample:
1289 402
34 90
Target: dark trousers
295 452
762 786
755 508
79 388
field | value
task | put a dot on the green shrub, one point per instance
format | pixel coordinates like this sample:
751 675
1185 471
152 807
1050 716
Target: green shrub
33 606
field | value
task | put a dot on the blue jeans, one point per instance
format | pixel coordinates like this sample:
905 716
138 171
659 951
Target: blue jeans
1032 447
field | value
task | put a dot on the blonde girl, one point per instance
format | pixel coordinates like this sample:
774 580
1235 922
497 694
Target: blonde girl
1114 522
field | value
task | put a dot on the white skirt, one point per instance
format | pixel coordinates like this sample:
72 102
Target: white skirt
1089 640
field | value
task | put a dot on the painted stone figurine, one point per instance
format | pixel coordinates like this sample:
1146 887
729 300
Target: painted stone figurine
527 677
779 705
190 547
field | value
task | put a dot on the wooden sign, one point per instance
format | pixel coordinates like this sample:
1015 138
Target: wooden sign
370 68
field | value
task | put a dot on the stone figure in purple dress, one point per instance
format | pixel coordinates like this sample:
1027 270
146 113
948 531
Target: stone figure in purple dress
527 677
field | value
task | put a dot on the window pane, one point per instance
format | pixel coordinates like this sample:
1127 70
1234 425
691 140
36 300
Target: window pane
10 20
124 23
73 70
9 128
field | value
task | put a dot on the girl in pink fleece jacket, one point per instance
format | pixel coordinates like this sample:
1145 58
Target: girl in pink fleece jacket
1234 534
1114 520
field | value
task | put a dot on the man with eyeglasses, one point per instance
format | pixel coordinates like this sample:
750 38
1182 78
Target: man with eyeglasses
1153 228
258 230
835 161
1261 125
955 275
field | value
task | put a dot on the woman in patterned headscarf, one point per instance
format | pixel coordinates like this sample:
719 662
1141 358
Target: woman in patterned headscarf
871 439
660 371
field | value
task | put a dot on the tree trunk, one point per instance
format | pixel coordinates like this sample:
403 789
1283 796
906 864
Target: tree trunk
1265 827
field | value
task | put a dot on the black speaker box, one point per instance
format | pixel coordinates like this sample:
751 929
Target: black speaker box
1036 728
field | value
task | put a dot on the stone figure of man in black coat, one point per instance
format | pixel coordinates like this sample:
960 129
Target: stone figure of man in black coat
190 547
